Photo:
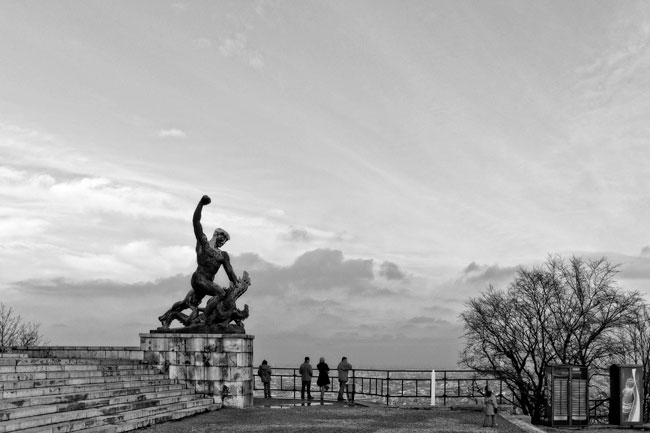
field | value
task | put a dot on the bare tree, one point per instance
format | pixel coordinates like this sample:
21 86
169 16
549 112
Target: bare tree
565 311
14 332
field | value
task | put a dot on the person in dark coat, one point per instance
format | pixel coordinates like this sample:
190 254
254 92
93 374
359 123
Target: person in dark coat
323 377
344 367
306 373
264 372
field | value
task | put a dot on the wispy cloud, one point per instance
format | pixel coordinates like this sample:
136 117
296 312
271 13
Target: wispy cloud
202 43
236 46
298 234
172 133
179 6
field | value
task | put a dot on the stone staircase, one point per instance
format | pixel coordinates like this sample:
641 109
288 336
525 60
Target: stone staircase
90 395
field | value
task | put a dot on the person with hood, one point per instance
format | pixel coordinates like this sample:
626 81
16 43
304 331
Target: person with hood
264 372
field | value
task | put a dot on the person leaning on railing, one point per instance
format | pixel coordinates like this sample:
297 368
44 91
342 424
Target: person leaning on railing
306 373
323 377
344 367
264 372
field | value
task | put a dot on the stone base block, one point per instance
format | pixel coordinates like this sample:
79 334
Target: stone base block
220 365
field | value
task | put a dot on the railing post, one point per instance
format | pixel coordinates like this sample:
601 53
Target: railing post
500 392
433 387
387 387
444 389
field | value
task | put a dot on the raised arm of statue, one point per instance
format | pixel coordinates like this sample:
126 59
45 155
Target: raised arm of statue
196 219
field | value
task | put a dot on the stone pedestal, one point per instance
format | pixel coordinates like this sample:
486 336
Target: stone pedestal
220 365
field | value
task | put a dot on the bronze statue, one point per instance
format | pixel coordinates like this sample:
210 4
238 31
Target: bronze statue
220 309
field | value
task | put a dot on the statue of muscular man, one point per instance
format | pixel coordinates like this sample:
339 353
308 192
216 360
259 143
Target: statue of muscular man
209 258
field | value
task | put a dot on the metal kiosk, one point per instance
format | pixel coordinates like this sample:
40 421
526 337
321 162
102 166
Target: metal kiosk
567 395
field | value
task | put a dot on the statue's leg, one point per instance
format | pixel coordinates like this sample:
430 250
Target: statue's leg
203 286
181 317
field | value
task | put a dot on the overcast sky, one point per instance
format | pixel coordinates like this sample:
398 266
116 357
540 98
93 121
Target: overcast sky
375 162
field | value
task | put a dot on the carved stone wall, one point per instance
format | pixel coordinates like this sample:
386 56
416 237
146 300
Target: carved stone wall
220 365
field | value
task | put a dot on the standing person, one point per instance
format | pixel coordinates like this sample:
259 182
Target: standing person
306 373
323 377
264 372
489 408
343 368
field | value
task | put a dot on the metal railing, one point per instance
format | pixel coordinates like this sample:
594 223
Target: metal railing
599 411
412 387
397 387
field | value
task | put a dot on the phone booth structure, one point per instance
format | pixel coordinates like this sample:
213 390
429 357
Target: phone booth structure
625 391
566 391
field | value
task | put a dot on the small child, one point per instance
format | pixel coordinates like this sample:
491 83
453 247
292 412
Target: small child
489 408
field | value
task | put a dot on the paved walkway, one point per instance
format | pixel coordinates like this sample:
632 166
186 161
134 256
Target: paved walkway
290 416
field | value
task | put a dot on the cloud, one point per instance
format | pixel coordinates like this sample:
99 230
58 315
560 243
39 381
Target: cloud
202 43
391 271
322 296
484 274
235 46
325 268
426 320
85 226
16 228
472 267
314 273
448 298
256 60
104 289
298 235
172 133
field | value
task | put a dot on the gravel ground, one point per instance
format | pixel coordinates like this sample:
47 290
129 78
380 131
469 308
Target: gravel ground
595 429
333 418
287 416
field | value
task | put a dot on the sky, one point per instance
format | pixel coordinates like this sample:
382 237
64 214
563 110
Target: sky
376 163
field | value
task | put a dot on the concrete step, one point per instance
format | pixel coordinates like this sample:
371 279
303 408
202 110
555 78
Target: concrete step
24 360
88 394
29 393
85 352
32 367
25 383
93 395
36 373
29 364
89 403
116 416
148 421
